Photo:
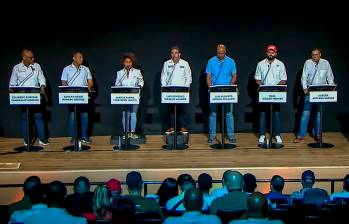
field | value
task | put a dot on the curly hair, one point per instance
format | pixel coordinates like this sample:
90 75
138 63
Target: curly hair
130 56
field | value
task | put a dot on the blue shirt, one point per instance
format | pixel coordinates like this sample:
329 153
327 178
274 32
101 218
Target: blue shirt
221 71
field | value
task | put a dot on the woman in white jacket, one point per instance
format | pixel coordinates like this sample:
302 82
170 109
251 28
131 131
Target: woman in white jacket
130 77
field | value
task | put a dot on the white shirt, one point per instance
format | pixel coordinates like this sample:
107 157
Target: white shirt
193 218
270 73
19 216
259 221
76 76
208 199
343 194
316 74
31 76
54 216
133 79
178 74
173 201
219 192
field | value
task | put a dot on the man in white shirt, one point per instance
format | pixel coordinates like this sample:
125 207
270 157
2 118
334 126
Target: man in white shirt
130 77
55 213
176 72
29 74
193 201
270 71
344 193
220 192
316 71
77 74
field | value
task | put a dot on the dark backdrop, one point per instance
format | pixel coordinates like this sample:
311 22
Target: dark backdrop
103 40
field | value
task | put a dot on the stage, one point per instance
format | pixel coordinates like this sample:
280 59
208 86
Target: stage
101 162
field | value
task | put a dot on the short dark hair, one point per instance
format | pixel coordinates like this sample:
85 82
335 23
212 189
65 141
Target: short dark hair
250 182
130 56
29 183
37 194
316 49
134 180
346 183
277 182
77 52
176 48
56 193
205 181
185 179
83 179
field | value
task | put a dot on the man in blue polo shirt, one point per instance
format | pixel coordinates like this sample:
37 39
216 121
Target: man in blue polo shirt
221 70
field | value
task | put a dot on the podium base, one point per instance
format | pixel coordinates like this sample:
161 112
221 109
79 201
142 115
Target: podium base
270 146
171 147
321 146
220 146
72 148
32 148
123 147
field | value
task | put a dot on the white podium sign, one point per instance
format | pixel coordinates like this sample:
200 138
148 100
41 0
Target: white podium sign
124 98
272 97
175 97
73 98
223 97
322 96
25 98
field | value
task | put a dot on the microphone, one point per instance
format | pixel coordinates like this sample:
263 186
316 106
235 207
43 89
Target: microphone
121 79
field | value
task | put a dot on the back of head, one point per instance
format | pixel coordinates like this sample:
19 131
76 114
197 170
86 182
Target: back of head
277 182
56 193
185 182
101 200
346 183
81 185
37 194
234 180
193 200
205 182
308 178
257 205
29 183
249 183
168 189
134 181
123 210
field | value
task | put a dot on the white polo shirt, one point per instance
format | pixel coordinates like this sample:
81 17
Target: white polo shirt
20 216
54 216
31 76
270 73
76 76
178 74
316 74
133 79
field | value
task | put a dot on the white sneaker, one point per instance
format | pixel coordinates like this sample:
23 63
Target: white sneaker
261 139
278 139
43 143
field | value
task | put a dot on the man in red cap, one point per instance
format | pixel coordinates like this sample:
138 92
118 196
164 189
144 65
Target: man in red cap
114 187
270 71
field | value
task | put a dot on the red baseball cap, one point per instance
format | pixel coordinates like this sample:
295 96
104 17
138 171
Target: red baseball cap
272 47
114 185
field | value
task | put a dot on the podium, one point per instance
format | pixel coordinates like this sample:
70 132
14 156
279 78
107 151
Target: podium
223 94
74 96
272 94
121 95
322 94
27 97
175 95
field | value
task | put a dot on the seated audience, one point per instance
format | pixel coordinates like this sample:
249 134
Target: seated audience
205 184
308 180
167 190
249 183
277 184
101 205
344 193
219 192
123 211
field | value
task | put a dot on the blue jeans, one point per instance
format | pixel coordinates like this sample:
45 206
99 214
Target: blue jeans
131 116
264 107
39 122
83 112
305 118
229 120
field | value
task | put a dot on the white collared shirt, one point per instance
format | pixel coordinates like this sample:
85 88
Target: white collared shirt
20 216
219 192
76 76
316 74
342 194
178 74
31 76
133 79
270 73
54 216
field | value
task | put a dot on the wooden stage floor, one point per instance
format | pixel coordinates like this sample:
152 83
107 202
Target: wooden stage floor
101 163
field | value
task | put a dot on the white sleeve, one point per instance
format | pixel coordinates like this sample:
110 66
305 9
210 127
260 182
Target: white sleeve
304 78
118 74
164 74
283 74
89 76
64 76
41 77
188 80
258 74
14 79
140 80
329 74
